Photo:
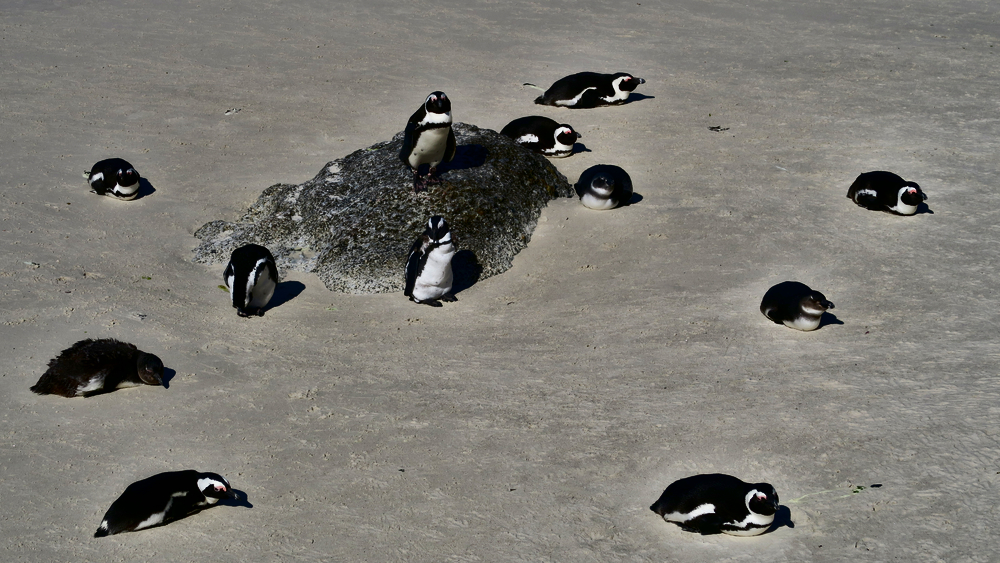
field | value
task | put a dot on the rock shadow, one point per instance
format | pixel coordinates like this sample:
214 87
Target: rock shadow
466 156
285 292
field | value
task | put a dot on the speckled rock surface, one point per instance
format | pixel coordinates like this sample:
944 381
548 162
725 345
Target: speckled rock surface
353 223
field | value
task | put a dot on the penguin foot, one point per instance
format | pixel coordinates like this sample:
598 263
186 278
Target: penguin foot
449 298
431 302
419 185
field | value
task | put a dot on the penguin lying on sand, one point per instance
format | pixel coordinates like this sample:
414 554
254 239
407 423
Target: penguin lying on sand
885 191
428 268
589 90
114 177
428 139
163 498
251 277
91 366
794 305
542 135
604 186
709 504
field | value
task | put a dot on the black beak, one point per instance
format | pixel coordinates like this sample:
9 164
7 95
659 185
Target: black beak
641 80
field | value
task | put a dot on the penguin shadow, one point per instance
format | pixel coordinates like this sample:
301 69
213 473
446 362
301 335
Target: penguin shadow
466 269
829 319
923 208
637 97
580 147
145 188
782 518
285 292
242 499
466 156
168 374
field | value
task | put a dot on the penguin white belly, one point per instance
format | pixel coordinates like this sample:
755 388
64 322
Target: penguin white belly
803 323
126 192
753 525
589 200
572 102
436 278
558 151
430 147
263 290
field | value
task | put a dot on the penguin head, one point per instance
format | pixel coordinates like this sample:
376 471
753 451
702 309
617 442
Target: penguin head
437 102
149 368
127 177
911 194
438 230
815 302
626 82
603 184
762 499
566 135
215 487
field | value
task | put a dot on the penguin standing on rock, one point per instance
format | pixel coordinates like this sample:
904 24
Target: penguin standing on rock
428 139
114 177
585 90
428 269
542 135
604 186
163 498
794 305
92 366
885 191
709 504
251 277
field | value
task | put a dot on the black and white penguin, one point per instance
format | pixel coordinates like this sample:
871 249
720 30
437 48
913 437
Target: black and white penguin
709 504
589 90
428 139
604 186
114 177
794 305
885 191
542 135
251 277
428 268
92 366
163 498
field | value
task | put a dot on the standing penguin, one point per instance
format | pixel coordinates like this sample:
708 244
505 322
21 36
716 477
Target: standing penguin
604 186
885 191
92 366
709 504
114 177
585 90
163 498
794 305
542 135
251 277
428 139
428 268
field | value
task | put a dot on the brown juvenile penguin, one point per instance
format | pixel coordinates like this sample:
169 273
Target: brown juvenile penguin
93 366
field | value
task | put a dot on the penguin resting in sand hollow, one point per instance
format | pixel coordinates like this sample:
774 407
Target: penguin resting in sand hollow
428 139
585 90
794 305
251 277
114 177
604 186
163 498
428 269
542 135
885 191
709 504
92 366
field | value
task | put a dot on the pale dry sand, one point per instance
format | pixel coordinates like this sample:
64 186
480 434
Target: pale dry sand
537 418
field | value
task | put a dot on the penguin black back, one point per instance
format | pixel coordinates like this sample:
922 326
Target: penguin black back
713 503
163 498
251 277
543 135
92 366
114 177
604 186
590 90
885 191
795 305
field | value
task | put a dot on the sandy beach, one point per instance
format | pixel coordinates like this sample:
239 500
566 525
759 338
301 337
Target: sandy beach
538 417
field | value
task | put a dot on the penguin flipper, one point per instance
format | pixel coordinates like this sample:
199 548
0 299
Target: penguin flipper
412 266
449 151
407 148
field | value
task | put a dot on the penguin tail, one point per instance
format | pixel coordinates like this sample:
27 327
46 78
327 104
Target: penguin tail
100 533
540 100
